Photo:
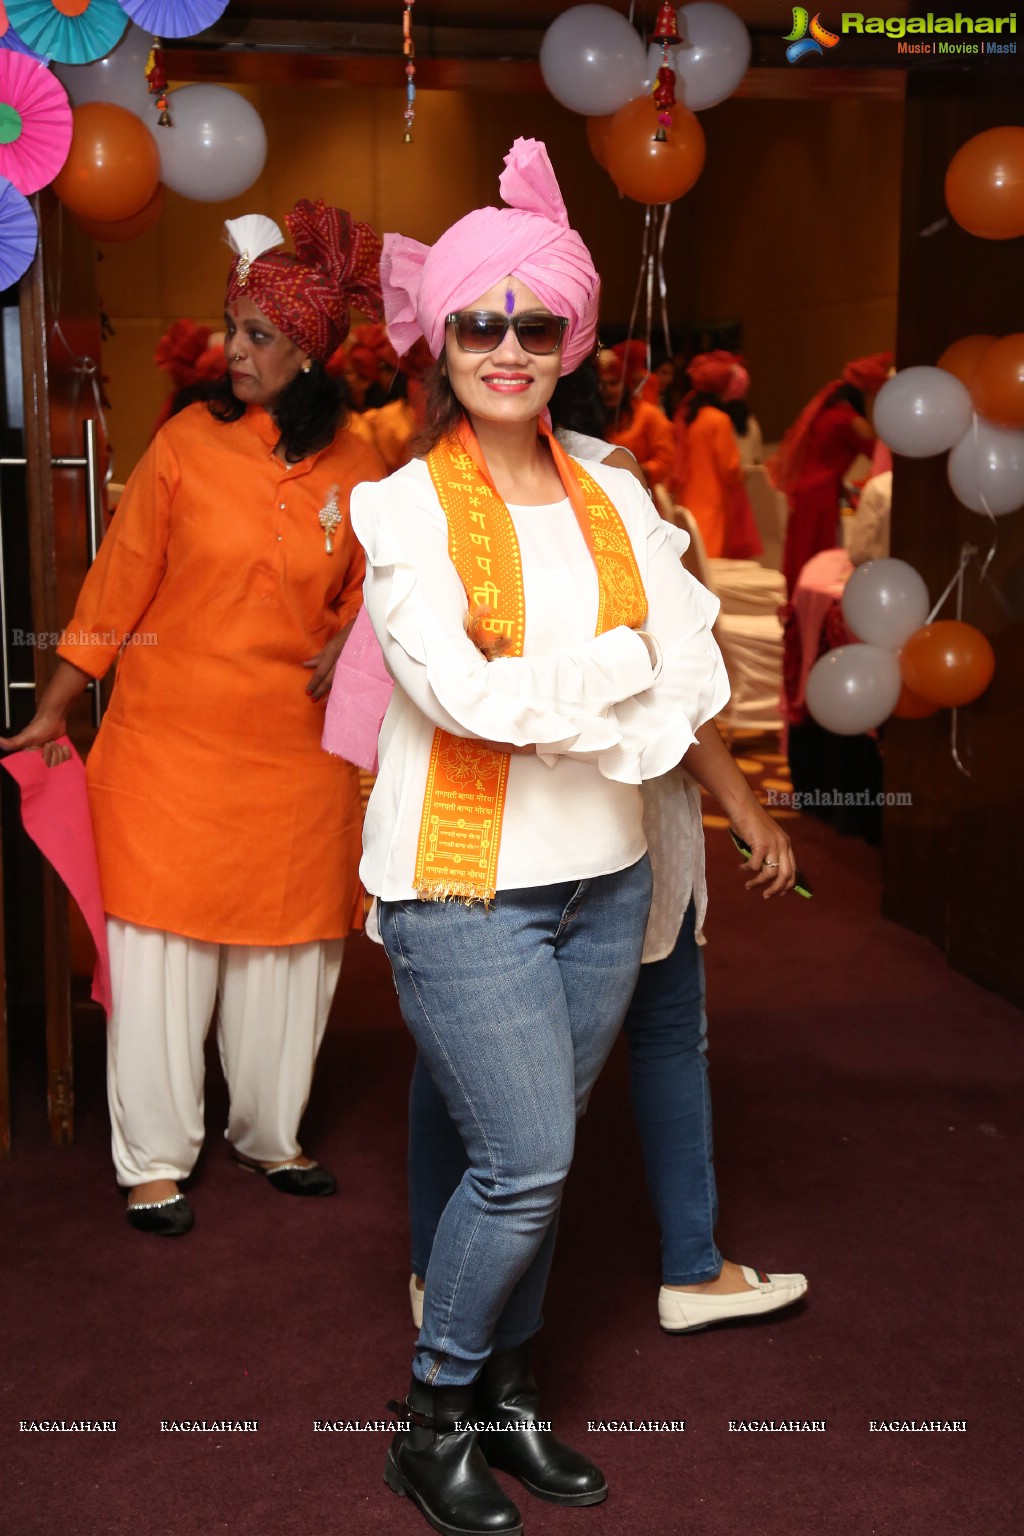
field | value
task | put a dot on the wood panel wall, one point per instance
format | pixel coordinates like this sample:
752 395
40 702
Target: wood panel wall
950 866
792 228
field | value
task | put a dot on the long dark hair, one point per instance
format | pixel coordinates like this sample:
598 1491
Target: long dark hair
443 410
308 411
738 412
576 404
698 401
851 395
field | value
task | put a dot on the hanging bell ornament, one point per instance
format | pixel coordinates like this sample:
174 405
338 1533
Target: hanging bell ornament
666 28
156 77
666 32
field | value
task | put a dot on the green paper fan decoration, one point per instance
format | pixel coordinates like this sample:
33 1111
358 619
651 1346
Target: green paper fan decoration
70 31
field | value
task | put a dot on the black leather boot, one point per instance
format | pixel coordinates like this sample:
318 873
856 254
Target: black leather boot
507 1394
443 1468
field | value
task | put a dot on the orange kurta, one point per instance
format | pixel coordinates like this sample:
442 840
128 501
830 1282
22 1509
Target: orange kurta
390 428
217 814
649 438
709 472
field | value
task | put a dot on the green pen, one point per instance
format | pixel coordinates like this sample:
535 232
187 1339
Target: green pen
802 888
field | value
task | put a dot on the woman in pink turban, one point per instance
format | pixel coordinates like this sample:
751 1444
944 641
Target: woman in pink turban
549 653
815 454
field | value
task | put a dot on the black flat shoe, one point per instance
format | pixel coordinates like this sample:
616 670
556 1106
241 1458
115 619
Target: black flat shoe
164 1218
295 1178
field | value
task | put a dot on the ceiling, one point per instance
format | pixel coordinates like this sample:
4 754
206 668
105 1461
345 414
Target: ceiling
759 15
474 44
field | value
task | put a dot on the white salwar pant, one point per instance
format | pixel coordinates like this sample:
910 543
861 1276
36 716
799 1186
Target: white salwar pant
272 1008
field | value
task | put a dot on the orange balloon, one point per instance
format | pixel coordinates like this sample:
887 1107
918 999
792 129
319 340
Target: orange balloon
962 357
997 388
113 166
127 229
947 663
645 169
597 138
985 184
909 707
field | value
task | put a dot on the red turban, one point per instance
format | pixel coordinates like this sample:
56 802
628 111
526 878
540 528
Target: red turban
178 351
307 296
868 373
370 347
710 372
632 356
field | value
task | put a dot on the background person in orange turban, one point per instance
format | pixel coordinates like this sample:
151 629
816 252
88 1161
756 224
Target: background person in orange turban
815 454
633 422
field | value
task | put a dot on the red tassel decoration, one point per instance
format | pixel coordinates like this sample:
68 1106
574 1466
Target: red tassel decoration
156 75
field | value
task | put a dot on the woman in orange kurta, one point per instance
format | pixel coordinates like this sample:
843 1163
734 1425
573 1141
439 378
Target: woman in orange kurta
633 422
228 841
708 476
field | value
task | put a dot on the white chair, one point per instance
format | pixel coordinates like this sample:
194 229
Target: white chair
771 509
747 629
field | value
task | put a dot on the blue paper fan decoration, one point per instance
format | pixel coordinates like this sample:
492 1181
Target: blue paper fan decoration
175 18
70 31
19 234
13 44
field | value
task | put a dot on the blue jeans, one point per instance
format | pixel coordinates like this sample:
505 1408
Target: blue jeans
514 1010
666 1030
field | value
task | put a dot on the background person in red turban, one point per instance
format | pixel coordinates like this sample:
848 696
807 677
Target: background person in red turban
633 422
192 356
708 474
228 841
816 453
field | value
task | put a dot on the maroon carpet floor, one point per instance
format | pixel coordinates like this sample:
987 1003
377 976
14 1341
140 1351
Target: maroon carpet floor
868 1132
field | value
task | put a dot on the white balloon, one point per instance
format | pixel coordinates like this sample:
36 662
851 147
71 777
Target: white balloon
713 56
592 60
921 411
986 468
853 688
884 602
217 146
119 78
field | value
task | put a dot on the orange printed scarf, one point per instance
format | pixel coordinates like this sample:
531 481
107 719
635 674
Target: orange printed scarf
460 831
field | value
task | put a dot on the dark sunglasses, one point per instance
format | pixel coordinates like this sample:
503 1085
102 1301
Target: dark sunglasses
482 330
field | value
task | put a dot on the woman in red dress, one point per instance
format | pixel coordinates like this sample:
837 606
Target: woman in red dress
816 453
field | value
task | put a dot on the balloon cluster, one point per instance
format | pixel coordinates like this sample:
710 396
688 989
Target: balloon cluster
905 665
971 404
124 152
640 103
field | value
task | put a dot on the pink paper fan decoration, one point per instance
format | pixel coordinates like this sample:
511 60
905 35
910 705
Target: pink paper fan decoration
174 18
35 122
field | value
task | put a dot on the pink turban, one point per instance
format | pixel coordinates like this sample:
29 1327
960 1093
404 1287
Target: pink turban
530 239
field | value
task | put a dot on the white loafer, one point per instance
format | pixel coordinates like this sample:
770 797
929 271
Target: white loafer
690 1311
416 1302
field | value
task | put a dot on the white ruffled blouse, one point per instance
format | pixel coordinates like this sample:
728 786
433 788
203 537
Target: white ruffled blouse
601 715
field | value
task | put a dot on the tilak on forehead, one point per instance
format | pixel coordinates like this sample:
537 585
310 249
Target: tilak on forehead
528 241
